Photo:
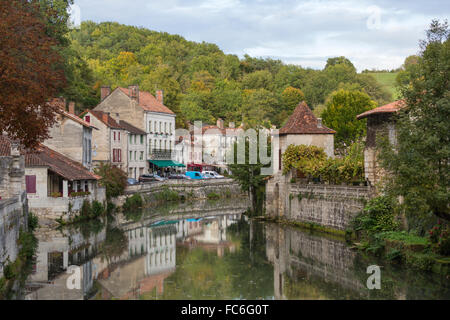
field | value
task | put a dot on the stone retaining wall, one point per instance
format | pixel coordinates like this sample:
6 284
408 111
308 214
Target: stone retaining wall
196 189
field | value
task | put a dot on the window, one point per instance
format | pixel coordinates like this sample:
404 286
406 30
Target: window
170 145
114 136
134 139
30 182
165 144
141 156
120 155
87 119
150 126
142 139
131 155
154 126
170 128
135 155
119 135
160 126
165 127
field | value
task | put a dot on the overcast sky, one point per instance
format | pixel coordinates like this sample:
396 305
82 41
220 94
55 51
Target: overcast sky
372 34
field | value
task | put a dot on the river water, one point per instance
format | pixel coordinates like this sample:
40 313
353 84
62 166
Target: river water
210 250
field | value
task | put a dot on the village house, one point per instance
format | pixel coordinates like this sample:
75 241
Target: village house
57 185
109 141
302 128
145 112
379 121
71 135
136 146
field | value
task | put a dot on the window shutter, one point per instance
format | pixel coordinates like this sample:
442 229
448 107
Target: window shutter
88 119
114 136
30 182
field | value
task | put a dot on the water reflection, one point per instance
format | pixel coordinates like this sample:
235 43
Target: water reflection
210 251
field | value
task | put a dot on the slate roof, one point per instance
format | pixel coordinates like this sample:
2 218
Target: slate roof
388 108
148 102
303 121
58 163
130 128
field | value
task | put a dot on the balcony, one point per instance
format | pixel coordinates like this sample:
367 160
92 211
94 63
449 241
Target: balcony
160 154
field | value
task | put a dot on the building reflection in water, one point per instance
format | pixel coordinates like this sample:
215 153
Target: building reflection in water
148 258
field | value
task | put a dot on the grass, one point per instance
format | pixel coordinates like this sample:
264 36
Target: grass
404 237
387 80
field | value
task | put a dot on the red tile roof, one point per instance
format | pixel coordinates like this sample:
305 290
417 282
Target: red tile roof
110 122
56 162
303 121
60 104
388 108
148 102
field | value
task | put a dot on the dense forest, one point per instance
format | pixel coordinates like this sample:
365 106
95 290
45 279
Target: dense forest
199 80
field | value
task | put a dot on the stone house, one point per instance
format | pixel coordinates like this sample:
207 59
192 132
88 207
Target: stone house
71 135
302 128
13 200
380 121
109 141
136 146
145 112
57 185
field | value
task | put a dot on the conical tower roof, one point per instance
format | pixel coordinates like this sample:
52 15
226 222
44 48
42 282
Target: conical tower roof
303 121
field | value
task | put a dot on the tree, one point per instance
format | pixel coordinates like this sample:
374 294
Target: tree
112 178
419 163
249 175
30 72
339 60
340 114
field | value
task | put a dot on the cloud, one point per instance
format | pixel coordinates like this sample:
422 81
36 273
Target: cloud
371 34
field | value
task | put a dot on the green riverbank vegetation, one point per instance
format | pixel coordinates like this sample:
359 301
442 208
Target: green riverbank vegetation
16 272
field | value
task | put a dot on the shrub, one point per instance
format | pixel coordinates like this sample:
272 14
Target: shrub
113 179
86 209
33 221
213 196
377 216
134 202
439 236
110 207
167 195
97 209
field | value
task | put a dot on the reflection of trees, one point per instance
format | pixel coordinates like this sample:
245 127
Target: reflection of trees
115 244
202 274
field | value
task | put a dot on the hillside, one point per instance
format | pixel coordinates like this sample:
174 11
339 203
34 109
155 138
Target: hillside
387 80
199 80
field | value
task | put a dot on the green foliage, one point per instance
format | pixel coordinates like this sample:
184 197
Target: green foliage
377 216
200 82
340 114
86 209
313 162
113 179
248 174
167 195
97 209
33 221
404 237
419 163
134 202
213 196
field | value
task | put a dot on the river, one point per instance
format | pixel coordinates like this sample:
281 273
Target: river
210 250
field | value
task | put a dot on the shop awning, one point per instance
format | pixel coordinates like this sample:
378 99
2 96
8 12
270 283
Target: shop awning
166 163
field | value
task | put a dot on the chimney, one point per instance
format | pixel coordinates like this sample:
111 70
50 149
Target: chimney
133 92
116 116
104 92
72 107
160 96
105 117
231 125
319 122
220 123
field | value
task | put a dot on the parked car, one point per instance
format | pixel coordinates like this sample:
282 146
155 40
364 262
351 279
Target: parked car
150 177
132 181
213 174
194 174
178 176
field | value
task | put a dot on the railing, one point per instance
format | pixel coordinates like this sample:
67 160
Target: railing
160 154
